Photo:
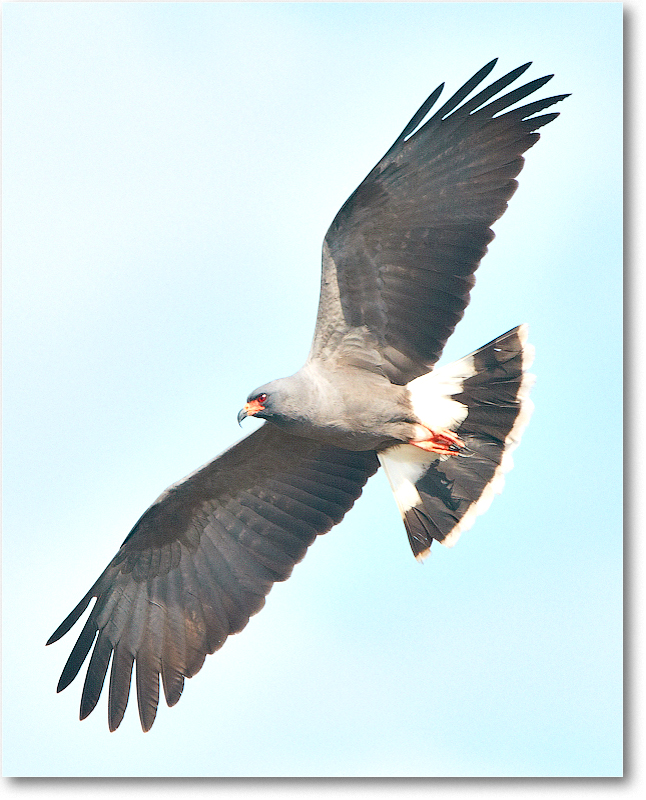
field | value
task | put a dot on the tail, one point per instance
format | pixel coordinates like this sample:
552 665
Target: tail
484 397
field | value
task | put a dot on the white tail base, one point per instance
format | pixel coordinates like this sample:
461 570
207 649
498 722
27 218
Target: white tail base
431 394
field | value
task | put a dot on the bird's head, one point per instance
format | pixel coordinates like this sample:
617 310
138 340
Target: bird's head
265 402
254 407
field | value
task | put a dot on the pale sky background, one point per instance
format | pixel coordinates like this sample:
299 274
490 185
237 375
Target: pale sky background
169 173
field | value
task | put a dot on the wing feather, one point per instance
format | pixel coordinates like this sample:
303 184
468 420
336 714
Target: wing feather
200 562
119 688
399 257
96 673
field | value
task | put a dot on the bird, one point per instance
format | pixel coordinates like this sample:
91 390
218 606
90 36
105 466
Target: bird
398 264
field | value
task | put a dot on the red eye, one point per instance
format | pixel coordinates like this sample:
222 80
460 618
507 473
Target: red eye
261 398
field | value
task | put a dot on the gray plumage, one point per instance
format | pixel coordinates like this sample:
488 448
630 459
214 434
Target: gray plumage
398 267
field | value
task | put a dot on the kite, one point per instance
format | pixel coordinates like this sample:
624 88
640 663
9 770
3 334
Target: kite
398 265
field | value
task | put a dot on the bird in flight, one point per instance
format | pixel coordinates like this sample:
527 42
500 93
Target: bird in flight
398 266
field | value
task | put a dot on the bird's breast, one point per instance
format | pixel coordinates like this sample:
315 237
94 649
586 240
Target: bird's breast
356 410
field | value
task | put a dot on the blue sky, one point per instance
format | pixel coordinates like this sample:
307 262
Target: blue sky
169 173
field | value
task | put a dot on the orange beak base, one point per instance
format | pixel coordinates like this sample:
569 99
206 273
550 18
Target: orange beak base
250 409
253 408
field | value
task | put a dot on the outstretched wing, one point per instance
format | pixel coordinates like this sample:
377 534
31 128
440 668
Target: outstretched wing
200 561
399 257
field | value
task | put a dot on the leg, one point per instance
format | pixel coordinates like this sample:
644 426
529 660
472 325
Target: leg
440 440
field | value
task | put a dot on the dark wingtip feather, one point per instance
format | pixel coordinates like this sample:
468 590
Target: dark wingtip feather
464 91
419 115
78 655
544 119
493 89
487 67
95 677
501 103
71 619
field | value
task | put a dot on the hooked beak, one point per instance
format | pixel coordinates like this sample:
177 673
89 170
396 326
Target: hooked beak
249 410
